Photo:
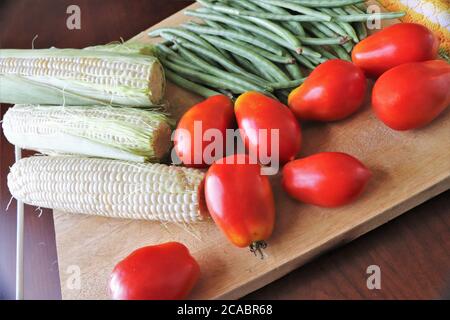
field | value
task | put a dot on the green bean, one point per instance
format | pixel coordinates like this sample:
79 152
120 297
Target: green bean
238 79
344 25
325 3
188 35
218 26
249 65
360 6
323 41
333 26
320 30
329 29
325 53
214 24
287 84
341 53
316 61
294 26
174 38
232 34
229 65
237 23
291 26
205 78
310 52
189 85
370 16
169 54
303 61
251 68
265 54
317 31
249 54
361 29
166 51
294 71
299 8
182 62
263 15
354 10
278 17
278 30
348 46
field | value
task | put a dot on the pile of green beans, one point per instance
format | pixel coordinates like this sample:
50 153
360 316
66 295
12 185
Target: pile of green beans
260 45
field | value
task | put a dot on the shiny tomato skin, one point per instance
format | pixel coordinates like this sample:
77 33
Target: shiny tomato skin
393 46
240 200
255 111
410 96
216 112
160 272
327 179
333 91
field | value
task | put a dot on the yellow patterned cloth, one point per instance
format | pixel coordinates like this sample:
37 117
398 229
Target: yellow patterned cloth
435 14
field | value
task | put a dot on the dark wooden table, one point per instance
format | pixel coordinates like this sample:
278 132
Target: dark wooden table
413 251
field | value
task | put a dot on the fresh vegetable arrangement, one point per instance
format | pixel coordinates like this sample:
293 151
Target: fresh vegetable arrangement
99 113
260 45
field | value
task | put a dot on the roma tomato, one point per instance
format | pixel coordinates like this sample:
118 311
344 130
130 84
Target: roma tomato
256 112
240 200
393 46
327 179
333 91
161 272
189 141
411 95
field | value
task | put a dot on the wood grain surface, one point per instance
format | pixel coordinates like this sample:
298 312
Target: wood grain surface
413 251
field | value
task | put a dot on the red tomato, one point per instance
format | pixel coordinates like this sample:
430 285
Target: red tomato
328 179
162 272
255 111
214 113
393 46
240 200
411 95
333 91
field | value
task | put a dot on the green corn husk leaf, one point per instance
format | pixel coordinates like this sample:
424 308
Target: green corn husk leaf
126 47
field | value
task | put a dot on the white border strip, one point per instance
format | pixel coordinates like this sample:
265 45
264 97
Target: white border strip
19 240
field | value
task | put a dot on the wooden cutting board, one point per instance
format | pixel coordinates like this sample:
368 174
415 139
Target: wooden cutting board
409 168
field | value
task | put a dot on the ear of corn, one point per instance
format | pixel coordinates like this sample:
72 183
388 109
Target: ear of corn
80 77
108 188
101 131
